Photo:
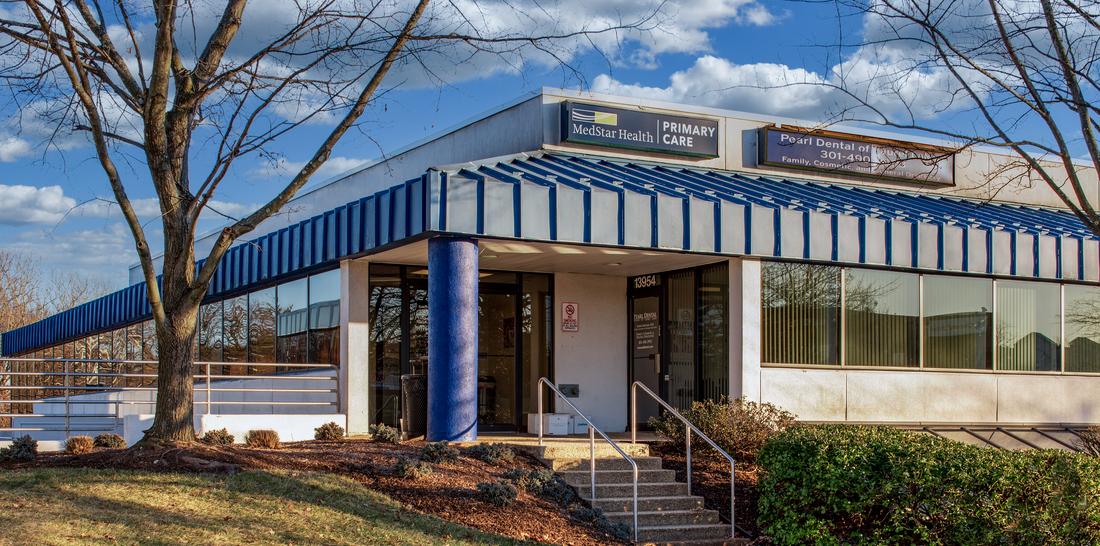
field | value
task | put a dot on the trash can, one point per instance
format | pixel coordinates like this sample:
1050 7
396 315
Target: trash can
414 405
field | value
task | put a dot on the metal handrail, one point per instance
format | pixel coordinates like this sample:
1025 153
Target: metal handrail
689 428
59 387
592 431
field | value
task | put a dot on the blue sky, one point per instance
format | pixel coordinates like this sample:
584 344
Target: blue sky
711 52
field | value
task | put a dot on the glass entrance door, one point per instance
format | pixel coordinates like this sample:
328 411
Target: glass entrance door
645 342
496 366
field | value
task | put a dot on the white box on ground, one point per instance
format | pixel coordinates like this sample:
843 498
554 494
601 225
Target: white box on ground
578 426
554 424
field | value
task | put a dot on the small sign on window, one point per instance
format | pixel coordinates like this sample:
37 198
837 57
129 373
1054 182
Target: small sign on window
570 317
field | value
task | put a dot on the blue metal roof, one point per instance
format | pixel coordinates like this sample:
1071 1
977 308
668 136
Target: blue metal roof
567 198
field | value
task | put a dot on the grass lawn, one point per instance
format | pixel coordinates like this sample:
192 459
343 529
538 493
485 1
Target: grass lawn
80 506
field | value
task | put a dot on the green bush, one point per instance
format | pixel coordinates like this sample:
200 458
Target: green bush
24 448
492 453
412 468
267 439
78 445
110 441
219 437
384 433
1088 441
439 452
836 484
329 432
741 427
543 483
498 493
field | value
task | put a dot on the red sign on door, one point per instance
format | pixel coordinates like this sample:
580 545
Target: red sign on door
570 317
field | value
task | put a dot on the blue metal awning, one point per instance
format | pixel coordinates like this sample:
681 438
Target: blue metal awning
593 200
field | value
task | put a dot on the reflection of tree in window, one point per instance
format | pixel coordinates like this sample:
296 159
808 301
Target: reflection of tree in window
210 336
882 318
261 330
800 313
958 322
1082 328
386 335
235 333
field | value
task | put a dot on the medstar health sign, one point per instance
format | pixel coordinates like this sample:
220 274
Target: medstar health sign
636 130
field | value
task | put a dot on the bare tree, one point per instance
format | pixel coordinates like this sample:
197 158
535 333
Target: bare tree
1028 72
178 88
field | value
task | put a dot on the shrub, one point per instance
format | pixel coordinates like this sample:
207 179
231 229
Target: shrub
268 439
439 452
329 432
384 433
24 448
741 427
492 453
412 468
498 493
1088 441
219 437
5 454
543 483
836 484
78 445
110 441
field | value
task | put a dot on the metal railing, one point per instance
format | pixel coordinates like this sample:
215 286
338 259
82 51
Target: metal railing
688 429
44 396
592 431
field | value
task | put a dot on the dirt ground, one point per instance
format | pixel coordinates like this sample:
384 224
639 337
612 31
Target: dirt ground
448 492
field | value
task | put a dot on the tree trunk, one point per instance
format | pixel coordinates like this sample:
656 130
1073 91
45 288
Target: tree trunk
174 420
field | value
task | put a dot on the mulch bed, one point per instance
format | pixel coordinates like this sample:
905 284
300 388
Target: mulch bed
711 480
448 492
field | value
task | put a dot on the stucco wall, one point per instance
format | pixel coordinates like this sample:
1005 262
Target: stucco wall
595 357
932 397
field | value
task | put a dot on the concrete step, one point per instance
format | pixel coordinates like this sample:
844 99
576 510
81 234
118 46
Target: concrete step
673 503
619 463
581 450
704 542
666 518
615 490
681 533
583 478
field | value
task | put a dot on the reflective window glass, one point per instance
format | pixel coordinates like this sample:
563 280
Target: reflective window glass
261 328
235 332
1028 326
800 313
386 334
324 317
1082 328
881 318
958 322
292 324
210 332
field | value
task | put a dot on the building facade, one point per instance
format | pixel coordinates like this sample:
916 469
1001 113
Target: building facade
843 274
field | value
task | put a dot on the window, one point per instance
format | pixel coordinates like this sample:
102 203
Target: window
1028 326
210 333
324 318
261 328
958 318
1082 328
385 343
292 323
714 345
235 332
800 313
881 318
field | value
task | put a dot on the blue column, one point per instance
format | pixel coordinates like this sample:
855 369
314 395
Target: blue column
452 339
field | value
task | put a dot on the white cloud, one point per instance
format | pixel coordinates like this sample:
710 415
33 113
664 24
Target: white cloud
281 168
21 204
102 252
13 149
884 79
